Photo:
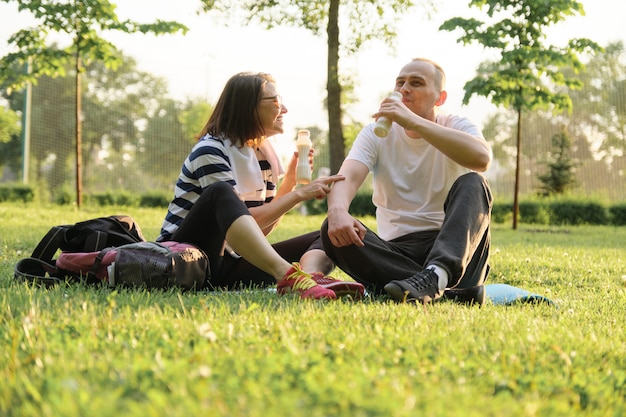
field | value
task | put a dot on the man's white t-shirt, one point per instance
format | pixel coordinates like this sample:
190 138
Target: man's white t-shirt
411 178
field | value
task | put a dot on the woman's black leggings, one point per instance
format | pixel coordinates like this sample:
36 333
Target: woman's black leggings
206 225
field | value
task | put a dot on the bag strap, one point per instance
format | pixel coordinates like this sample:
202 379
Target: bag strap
50 243
92 239
91 275
95 241
37 271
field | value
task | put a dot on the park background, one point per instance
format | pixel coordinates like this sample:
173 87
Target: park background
74 350
140 120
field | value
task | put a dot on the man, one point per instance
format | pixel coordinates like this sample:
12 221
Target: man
433 208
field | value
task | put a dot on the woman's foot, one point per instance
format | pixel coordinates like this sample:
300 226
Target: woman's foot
296 281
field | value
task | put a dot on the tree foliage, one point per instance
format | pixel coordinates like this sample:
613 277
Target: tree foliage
599 111
561 167
169 136
528 70
9 124
595 126
134 135
9 139
84 22
527 73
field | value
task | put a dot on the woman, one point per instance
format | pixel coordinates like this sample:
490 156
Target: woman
226 198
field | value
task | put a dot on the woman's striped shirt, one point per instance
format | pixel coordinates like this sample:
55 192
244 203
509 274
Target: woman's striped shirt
208 163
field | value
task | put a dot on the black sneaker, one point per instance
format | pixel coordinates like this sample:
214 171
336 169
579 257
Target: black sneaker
422 287
470 296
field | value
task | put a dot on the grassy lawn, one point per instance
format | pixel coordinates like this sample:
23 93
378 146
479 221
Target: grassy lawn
85 351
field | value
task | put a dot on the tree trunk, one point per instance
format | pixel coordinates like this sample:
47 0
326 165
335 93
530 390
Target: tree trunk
335 128
517 168
79 133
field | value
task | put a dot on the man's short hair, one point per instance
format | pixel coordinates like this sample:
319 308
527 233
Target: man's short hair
441 75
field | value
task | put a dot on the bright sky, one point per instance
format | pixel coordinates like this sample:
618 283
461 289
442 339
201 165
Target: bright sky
199 63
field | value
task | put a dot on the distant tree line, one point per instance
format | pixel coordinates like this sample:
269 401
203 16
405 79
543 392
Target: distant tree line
592 136
135 136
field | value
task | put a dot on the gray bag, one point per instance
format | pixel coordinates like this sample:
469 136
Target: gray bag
138 265
155 265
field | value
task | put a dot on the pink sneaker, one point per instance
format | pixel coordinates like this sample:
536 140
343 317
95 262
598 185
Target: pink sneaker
298 281
341 288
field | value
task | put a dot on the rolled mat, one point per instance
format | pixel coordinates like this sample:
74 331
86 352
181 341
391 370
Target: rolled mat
504 294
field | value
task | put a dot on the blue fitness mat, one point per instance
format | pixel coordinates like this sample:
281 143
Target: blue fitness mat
504 294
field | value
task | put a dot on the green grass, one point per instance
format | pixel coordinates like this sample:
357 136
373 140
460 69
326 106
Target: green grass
84 351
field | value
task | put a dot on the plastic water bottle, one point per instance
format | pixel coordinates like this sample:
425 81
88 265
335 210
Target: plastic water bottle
383 124
303 168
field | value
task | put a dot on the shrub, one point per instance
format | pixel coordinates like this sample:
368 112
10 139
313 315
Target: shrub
113 198
534 212
104 199
155 199
576 213
618 214
127 198
316 206
361 205
17 192
502 212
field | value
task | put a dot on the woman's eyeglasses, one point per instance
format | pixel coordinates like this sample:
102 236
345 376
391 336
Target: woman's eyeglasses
278 100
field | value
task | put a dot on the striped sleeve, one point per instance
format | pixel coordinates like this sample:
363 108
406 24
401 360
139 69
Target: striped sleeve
206 164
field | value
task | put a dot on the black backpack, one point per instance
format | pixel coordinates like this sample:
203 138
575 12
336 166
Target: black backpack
91 235
112 250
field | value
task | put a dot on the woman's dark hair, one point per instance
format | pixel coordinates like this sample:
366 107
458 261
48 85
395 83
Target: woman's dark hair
236 115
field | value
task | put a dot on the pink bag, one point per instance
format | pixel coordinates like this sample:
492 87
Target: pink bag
142 264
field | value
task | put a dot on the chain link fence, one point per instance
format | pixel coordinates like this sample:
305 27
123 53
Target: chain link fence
135 138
